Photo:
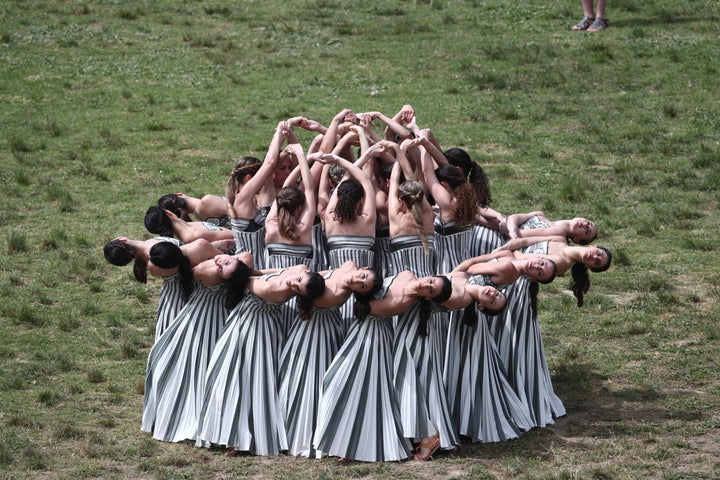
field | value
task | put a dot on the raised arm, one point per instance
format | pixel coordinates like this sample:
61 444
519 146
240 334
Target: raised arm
307 217
519 243
514 221
330 139
256 182
481 260
394 127
442 197
369 207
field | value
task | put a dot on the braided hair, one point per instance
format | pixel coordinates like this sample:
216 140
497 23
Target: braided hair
349 193
411 193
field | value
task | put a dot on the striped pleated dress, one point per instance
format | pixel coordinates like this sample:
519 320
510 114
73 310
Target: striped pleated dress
241 409
452 244
320 258
358 248
249 235
177 364
485 406
519 342
417 355
170 302
308 352
284 255
359 417
383 262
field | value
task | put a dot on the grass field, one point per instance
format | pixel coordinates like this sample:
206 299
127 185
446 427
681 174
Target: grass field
107 105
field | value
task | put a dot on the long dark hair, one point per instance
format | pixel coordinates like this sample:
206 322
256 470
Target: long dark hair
361 306
120 254
426 305
157 222
169 255
580 283
236 284
175 204
466 203
315 287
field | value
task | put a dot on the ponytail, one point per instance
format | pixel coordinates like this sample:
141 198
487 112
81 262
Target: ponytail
411 193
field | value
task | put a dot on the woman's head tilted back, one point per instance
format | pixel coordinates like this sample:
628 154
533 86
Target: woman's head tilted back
349 194
599 260
236 274
175 204
118 253
121 253
313 287
157 222
167 255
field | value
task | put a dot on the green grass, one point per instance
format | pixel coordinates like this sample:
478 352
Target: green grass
108 105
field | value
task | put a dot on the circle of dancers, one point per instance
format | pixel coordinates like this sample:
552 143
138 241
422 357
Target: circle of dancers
358 298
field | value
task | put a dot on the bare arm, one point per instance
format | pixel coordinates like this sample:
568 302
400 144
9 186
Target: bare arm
369 208
519 243
330 138
482 259
254 184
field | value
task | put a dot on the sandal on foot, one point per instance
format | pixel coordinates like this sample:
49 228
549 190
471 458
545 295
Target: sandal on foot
600 23
428 446
584 23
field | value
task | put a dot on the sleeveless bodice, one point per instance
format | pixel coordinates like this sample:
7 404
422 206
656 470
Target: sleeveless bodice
356 242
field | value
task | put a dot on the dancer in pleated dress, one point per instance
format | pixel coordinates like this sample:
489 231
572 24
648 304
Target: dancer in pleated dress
358 418
249 180
311 347
178 361
418 343
518 335
350 219
535 224
241 409
288 230
460 203
417 368
505 272
171 262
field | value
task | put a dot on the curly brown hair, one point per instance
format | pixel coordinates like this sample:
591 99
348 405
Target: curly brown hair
466 203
